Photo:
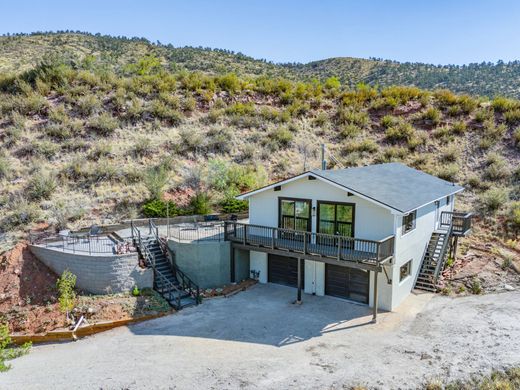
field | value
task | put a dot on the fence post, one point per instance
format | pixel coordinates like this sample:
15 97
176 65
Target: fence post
273 233
89 251
339 248
304 243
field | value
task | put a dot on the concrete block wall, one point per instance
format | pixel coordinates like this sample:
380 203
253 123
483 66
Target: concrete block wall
98 274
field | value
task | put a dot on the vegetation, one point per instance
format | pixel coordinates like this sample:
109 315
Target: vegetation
67 296
102 137
6 351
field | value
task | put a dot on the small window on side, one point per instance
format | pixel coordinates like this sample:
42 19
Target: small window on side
409 222
405 270
448 200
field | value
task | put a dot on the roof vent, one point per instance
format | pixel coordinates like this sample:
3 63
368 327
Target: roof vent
278 188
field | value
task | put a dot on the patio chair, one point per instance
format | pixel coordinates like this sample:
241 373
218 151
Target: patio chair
95 231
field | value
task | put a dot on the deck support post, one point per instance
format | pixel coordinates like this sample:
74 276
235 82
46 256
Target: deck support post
299 297
374 316
454 245
232 265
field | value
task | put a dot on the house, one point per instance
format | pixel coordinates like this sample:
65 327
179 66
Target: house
368 234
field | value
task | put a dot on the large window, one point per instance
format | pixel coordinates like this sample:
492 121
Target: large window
295 214
405 270
336 218
409 222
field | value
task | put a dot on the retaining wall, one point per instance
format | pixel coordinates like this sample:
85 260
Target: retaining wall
98 274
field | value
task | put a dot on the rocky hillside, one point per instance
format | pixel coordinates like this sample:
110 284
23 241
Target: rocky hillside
21 52
81 143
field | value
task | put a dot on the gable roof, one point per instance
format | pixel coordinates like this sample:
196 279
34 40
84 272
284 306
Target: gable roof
392 185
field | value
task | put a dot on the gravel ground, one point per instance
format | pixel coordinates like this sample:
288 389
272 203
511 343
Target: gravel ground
258 339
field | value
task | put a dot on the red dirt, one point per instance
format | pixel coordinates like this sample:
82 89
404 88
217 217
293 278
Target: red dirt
28 293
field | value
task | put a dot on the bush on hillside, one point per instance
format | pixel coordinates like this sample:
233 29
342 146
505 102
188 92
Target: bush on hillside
493 199
233 206
158 208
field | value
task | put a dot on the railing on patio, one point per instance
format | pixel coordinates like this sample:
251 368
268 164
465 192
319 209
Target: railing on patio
91 245
309 243
460 223
193 232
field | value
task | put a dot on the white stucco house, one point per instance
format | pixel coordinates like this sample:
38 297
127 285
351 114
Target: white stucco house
368 234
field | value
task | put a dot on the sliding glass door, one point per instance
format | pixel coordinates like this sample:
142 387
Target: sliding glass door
295 214
336 218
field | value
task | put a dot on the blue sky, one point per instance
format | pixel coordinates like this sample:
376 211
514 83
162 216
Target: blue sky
439 32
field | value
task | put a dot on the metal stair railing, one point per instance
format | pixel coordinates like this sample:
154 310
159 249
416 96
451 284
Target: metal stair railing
150 261
184 281
442 253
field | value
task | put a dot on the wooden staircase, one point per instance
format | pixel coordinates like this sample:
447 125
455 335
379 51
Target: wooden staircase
169 281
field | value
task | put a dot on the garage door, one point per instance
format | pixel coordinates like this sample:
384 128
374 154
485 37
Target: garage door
346 282
284 270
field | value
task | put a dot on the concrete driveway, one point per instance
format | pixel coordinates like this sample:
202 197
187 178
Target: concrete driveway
259 339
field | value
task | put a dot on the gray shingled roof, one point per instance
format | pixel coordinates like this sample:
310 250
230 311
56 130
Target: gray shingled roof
395 185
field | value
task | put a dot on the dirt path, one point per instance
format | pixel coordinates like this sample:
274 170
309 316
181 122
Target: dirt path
257 339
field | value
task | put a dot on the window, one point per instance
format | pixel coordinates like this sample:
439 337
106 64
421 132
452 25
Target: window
448 200
409 222
295 214
405 270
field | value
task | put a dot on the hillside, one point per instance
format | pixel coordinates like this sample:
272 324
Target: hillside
81 144
21 52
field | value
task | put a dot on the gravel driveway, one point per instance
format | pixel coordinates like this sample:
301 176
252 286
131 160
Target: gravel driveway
258 339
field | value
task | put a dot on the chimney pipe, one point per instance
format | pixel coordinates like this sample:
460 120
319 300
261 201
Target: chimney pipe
323 161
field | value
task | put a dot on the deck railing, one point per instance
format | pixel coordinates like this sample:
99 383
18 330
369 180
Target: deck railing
460 223
340 248
91 245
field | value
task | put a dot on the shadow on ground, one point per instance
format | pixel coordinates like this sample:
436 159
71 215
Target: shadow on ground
264 314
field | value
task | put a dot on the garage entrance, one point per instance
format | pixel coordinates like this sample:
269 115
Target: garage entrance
345 282
284 270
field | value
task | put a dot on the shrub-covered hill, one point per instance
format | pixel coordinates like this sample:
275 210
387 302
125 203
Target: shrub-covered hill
81 144
21 52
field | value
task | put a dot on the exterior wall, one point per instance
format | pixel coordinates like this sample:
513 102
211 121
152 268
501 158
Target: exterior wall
372 222
411 246
241 265
206 263
314 277
258 262
98 274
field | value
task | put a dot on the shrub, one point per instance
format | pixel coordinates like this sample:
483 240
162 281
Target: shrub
321 119
143 147
219 140
229 82
5 167
483 115
200 204
475 286
67 295
493 131
393 153
88 105
512 117
433 115
459 127
22 214
493 199
45 148
232 205
9 353
191 140
189 104
58 131
350 131
105 124
513 216
516 136
281 136
332 83
400 132
497 168
448 172
155 180
352 117
41 186
502 104
157 208
241 109
365 145
389 121
451 154
166 113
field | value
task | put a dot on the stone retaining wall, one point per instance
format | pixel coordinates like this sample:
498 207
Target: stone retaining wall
98 274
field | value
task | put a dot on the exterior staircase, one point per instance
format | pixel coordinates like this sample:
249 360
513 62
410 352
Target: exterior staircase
433 261
169 281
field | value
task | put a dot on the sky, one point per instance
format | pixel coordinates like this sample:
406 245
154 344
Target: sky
434 31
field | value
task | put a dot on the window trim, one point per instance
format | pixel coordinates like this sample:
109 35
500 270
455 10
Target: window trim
331 202
408 264
308 201
414 223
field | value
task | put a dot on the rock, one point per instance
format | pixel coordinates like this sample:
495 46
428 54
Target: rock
508 287
425 356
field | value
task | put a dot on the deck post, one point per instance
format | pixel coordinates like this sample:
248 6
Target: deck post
374 316
232 265
455 243
299 298
273 232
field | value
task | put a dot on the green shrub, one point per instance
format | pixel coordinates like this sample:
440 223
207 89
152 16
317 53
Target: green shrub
433 115
443 132
41 186
232 205
200 204
400 132
394 153
143 147
497 168
493 131
512 117
5 167
502 104
45 148
160 110
321 119
350 131
157 208
513 216
389 121
365 145
229 82
352 117
448 172
459 127
189 104
241 109
475 286
483 115
281 136
155 180
451 154
219 140
7 353
58 131
88 105
493 199
105 124
67 296
516 136
22 214
332 83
